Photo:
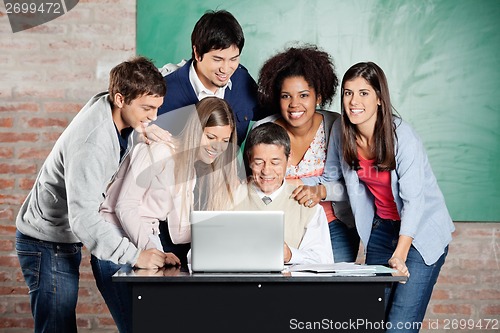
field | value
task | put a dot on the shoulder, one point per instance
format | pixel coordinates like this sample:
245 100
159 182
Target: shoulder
242 76
269 119
329 116
405 133
156 150
94 124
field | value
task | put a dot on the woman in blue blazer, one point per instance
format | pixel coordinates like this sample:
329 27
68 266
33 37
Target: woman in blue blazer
400 212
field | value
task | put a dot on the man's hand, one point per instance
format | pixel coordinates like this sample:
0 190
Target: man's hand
151 259
154 133
309 196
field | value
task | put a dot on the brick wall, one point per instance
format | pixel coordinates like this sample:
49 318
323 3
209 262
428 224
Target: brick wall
46 75
49 72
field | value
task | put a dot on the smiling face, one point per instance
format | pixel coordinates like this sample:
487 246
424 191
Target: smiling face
360 102
140 112
268 163
215 68
214 142
297 101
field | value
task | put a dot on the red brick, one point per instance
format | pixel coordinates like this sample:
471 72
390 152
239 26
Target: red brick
478 264
72 76
117 45
7 184
6 152
70 44
5 277
13 44
12 199
6 290
477 294
9 261
7 230
491 310
6 122
16 322
440 294
34 153
46 122
22 307
26 183
84 292
491 277
6 214
51 137
6 245
106 321
39 92
52 29
18 168
451 309
83 323
458 277
62 107
93 308
10 107
3 307
18 137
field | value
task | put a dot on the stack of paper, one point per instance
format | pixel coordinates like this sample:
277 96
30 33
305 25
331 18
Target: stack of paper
341 268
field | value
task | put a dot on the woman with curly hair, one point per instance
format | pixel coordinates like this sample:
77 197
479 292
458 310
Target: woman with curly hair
296 84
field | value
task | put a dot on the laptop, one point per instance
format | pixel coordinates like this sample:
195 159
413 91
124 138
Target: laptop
237 241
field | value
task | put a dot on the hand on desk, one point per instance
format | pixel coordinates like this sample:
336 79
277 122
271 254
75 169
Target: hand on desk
399 264
154 258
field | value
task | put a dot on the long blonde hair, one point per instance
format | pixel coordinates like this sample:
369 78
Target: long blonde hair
217 181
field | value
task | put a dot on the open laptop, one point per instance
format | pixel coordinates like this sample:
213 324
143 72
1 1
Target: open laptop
237 241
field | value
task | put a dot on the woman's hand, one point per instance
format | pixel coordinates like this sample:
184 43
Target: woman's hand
400 265
309 196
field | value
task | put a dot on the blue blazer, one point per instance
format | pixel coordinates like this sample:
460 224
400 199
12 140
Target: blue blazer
419 201
242 97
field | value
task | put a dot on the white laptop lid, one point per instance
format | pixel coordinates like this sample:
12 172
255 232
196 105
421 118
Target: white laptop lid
237 241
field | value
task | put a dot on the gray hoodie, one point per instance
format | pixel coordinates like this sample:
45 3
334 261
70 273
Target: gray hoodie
63 206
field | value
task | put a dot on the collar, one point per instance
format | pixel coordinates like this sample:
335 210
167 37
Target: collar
200 90
273 195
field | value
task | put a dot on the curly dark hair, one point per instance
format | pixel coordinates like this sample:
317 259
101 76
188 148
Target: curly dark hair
309 62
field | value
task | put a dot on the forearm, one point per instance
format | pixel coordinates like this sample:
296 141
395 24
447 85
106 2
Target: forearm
403 247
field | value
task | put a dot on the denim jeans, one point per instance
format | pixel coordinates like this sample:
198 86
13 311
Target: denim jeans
51 272
117 295
406 303
345 241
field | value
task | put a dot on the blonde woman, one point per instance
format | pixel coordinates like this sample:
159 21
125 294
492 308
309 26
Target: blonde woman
157 183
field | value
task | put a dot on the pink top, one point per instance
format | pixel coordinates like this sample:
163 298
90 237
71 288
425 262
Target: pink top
143 193
379 184
312 164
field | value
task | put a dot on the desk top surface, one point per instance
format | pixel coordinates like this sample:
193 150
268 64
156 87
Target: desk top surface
182 274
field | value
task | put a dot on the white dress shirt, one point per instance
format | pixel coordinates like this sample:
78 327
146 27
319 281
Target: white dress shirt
200 90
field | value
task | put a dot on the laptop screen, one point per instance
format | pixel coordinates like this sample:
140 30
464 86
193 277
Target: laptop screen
237 241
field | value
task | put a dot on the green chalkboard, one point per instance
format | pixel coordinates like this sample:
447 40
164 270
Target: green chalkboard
442 60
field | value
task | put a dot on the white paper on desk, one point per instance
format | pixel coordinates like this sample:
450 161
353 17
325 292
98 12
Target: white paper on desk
340 267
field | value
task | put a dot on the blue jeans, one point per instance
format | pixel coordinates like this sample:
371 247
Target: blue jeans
51 271
345 241
406 303
117 295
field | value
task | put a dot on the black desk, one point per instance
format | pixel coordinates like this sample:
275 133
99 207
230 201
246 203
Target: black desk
173 300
